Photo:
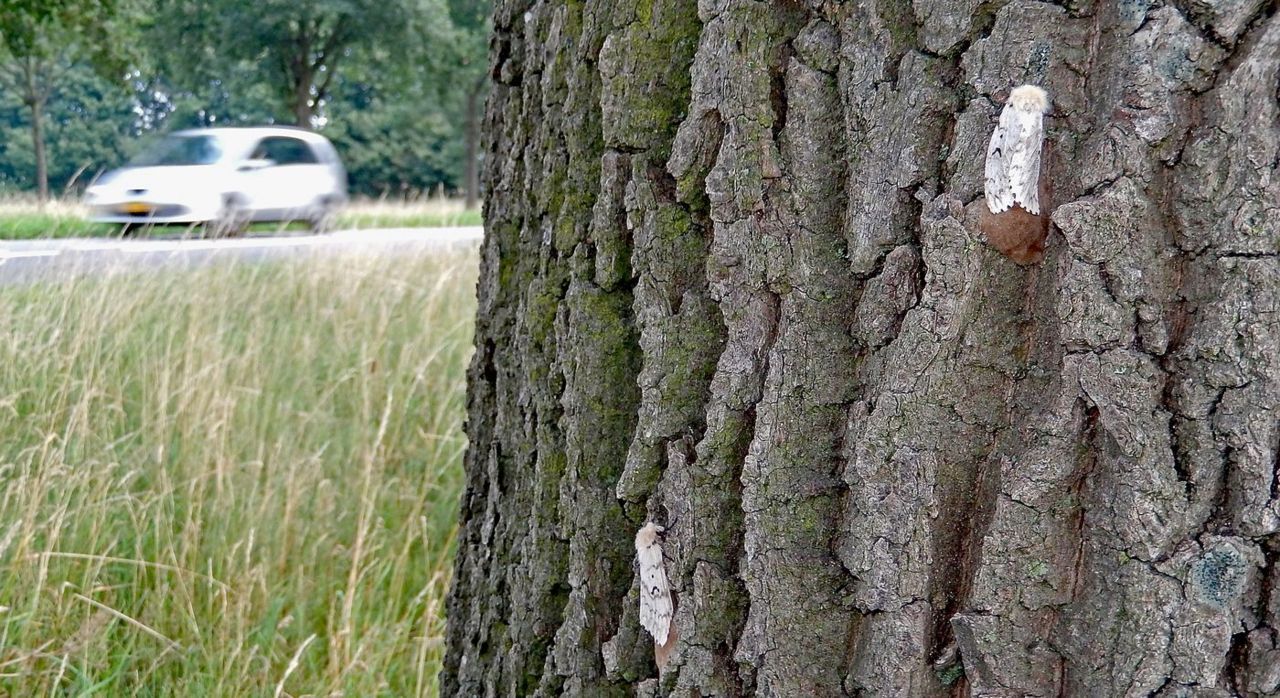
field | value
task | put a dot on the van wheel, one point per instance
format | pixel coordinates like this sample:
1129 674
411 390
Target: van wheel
232 221
322 217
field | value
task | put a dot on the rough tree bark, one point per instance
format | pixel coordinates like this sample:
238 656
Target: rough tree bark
733 283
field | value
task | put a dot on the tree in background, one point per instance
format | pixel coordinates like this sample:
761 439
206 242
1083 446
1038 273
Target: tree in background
403 132
298 47
39 43
472 19
399 144
90 123
733 282
238 98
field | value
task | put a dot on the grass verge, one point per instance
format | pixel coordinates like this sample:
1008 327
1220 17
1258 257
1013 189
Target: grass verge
236 481
22 219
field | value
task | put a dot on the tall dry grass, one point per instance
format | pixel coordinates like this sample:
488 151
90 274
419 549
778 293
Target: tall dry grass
237 481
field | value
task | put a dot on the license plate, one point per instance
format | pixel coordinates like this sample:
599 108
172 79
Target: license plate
136 207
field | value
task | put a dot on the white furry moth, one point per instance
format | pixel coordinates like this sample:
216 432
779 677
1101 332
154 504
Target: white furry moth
1013 157
655 595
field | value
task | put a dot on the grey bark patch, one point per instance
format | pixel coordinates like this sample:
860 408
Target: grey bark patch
967 152
1091 318
1222 201
1226 18
944 24
887 297
1021 48
818 46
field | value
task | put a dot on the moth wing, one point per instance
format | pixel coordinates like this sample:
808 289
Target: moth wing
999 151
1024 160
655 594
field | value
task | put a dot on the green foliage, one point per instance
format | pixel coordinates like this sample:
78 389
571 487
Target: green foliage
39 46
99 31
56 224
401 144
241 98
297 47
386 80
25 23
89 127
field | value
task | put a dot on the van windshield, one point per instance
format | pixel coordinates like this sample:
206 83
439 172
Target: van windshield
180 150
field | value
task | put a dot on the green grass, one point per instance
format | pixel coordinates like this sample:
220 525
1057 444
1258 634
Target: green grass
22 219
237 481
29 225
375 215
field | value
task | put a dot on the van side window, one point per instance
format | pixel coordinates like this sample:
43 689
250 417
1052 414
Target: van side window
285 151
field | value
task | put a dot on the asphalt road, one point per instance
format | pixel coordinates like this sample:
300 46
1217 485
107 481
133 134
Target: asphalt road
25 261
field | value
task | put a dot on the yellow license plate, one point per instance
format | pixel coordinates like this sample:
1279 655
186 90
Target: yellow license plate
136 207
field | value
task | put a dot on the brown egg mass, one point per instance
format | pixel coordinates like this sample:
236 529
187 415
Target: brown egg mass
1017 233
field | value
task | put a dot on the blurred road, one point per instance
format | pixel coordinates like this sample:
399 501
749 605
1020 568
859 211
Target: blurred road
24 261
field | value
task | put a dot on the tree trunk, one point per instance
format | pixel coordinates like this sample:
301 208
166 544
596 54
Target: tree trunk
38 147
35 94
303 111
471 171
301 76
733 282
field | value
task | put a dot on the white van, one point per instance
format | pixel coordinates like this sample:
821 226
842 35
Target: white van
227 178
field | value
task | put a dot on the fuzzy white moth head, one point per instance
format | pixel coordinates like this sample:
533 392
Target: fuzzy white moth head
1029 98
655 593
648 535
1013 156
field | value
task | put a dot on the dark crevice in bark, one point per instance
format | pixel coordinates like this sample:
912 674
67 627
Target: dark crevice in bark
1180 458
1181 311
877 267
1241 673
1237 668
850 653
1077 487
1275 471
1247 255
488 369
904 30
1220 516
984 18
778 90
1267 580
962 563
725 654
500 47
